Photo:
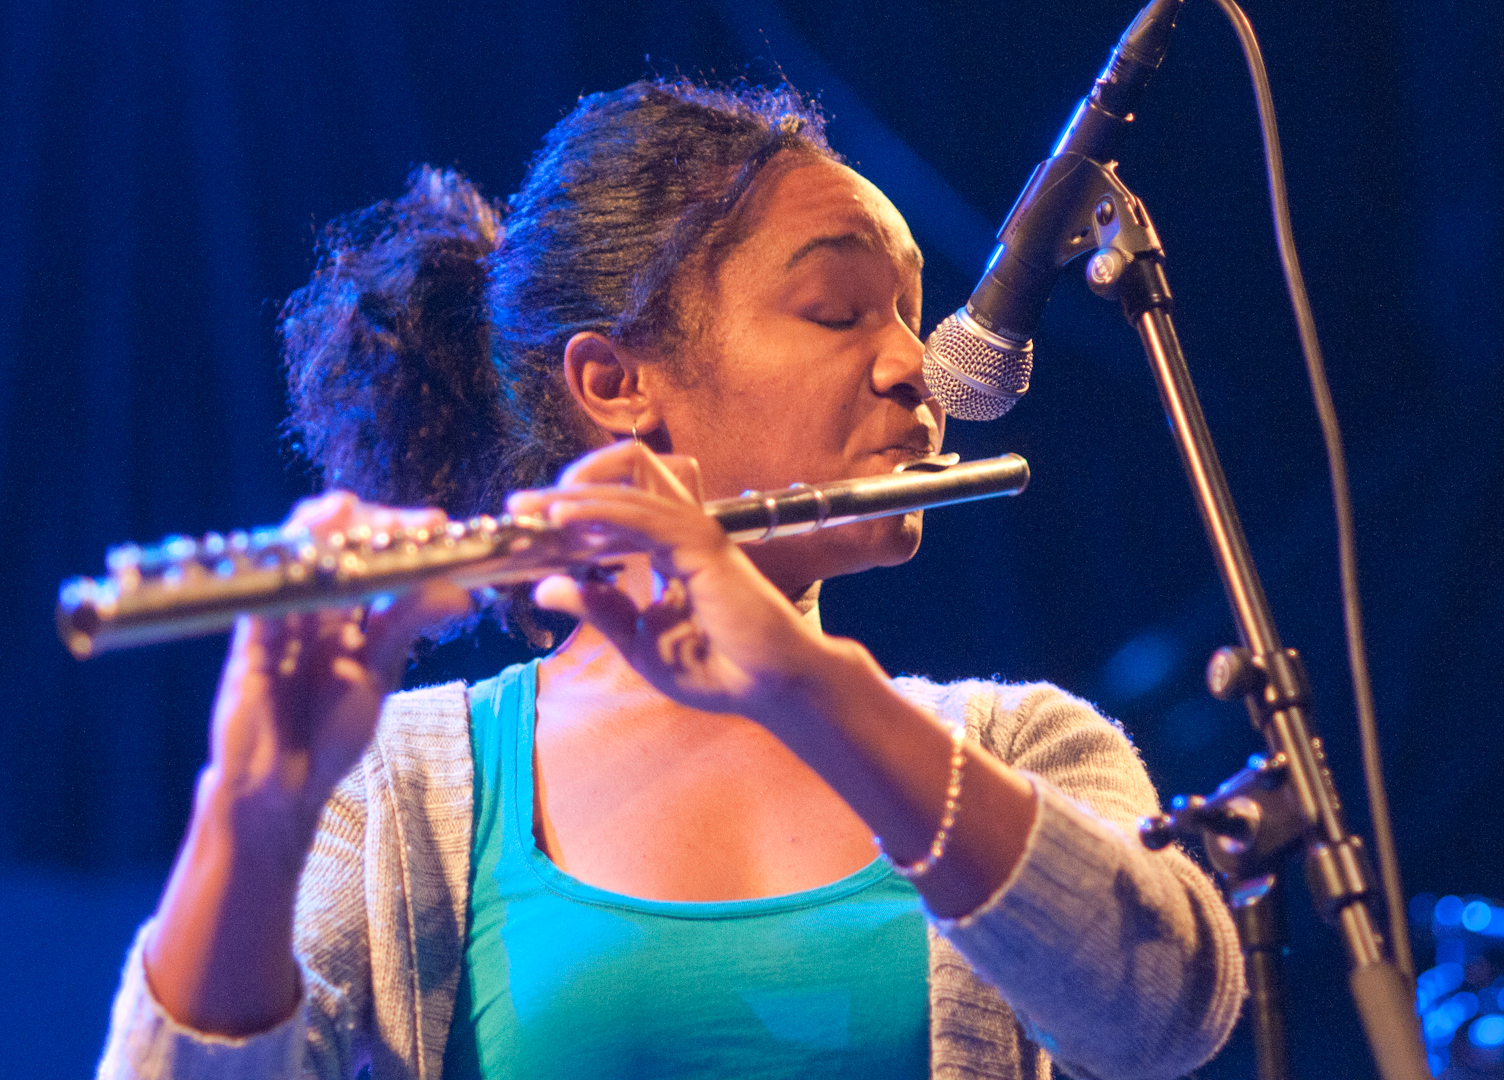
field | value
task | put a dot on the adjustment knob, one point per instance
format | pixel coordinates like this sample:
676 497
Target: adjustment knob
1231 673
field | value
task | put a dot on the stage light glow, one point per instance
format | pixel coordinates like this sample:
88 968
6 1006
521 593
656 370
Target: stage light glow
1487 1032
1141 665
1442 1022
1448 911
1431 986
1476 916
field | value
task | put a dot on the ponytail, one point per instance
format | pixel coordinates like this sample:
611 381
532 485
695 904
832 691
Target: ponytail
387 351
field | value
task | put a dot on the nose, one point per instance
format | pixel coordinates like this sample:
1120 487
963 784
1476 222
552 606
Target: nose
898 370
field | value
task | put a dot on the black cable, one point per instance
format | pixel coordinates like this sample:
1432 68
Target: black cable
1347 553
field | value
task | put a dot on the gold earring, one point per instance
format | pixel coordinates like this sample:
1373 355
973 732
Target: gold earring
635 437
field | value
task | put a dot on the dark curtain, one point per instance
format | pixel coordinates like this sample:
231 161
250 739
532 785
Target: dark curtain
163 170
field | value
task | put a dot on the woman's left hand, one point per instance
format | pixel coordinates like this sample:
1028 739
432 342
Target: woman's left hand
714 634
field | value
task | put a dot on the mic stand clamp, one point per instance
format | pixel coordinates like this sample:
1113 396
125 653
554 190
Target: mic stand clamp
1255 819
1246 827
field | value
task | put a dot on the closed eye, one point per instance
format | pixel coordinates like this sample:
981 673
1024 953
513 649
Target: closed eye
847 323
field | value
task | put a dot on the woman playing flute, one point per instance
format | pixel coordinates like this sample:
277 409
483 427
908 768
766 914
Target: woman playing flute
655 851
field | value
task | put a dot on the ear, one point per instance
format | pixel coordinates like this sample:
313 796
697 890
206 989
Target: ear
607 384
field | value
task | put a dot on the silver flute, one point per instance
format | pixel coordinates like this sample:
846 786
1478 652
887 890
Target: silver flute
185 587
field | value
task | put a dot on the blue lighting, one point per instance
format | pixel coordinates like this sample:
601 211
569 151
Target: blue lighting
1451 949
1442 1022
1487 1032
1431 986
1476 916
1141 665
1448 911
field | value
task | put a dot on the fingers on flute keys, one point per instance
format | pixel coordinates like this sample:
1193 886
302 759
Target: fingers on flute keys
378 635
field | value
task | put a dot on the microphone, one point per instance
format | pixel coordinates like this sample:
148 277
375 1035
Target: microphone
977 362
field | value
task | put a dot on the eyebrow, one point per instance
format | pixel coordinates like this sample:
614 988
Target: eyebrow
852 241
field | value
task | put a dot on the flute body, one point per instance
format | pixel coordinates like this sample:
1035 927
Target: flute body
185 587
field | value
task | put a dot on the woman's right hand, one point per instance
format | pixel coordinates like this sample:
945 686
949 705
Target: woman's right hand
300 695
297 705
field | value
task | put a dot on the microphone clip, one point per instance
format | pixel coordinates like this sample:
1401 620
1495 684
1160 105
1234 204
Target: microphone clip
1121 232
1071 205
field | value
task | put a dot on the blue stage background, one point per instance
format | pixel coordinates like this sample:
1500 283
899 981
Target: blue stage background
163 169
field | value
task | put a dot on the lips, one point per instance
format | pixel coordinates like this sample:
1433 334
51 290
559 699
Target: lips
917 445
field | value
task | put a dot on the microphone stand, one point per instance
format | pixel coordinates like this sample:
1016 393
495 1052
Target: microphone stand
1258 817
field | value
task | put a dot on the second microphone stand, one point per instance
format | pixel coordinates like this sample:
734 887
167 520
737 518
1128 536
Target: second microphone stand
1255 820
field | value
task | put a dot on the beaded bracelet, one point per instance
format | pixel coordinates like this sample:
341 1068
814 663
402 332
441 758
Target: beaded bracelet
947 818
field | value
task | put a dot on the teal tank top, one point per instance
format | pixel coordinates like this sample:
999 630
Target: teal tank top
562 979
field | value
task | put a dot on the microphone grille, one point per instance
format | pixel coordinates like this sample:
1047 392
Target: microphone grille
974 374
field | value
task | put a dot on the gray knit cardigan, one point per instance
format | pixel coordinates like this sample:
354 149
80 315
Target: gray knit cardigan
1114 961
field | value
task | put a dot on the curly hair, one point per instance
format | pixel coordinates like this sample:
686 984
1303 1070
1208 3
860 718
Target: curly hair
392 396
424 357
